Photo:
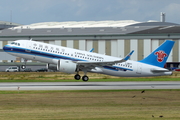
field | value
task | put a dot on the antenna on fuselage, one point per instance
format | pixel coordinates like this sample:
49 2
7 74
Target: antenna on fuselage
30 38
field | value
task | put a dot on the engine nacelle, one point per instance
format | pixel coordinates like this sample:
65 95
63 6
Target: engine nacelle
65 66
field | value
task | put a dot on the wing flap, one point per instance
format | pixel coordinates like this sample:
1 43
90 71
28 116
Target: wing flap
92 65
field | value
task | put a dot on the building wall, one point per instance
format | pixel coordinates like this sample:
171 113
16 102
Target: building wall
115 47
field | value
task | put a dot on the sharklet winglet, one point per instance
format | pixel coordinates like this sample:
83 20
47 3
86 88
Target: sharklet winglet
129 55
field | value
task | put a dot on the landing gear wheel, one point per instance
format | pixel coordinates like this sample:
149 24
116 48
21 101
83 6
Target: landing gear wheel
85 78
23 66
77 77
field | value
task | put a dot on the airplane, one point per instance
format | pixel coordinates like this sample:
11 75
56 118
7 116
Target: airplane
69 60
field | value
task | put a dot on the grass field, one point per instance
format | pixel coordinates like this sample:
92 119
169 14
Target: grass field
63 77
90 105
87 105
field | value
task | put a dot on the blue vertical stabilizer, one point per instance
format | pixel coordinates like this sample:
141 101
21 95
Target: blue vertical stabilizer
159 56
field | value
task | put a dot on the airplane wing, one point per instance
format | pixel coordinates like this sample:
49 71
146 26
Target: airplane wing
92 65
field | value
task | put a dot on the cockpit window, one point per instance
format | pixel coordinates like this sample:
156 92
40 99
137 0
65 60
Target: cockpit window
12 43
15 43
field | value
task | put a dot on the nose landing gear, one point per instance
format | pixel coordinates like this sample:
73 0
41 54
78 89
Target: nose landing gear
24 66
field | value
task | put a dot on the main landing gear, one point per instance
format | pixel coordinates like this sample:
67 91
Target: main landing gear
85 78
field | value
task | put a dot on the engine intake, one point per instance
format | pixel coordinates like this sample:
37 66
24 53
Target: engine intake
51 67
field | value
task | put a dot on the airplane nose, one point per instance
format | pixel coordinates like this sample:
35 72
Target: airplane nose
6 48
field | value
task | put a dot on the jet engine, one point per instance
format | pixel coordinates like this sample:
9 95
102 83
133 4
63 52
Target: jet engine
65 66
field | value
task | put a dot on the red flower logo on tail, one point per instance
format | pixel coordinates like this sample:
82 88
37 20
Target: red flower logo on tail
160 55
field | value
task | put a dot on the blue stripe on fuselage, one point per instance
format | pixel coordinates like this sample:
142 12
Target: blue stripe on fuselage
14 49
115 68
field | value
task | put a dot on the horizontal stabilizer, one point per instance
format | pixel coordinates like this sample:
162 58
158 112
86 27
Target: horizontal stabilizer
161 70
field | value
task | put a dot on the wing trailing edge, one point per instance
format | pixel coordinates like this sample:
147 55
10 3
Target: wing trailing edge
92 65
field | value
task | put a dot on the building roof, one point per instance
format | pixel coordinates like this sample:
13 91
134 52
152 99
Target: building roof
154 23
5 24
85 24
91 29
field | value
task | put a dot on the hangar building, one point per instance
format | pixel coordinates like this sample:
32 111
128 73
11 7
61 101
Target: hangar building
5 25
115 38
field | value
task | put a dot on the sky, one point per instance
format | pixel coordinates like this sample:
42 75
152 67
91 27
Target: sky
35 11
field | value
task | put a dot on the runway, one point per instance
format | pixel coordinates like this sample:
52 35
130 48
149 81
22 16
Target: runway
88 85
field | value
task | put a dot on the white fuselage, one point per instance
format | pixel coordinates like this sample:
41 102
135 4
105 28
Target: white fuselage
32 50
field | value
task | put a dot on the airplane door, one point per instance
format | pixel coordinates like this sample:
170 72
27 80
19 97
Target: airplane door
139 68
28 46
28 50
